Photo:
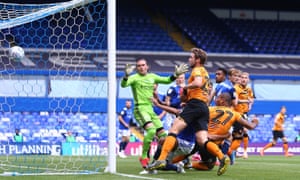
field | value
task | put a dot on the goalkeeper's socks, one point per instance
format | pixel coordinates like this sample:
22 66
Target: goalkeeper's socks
150 133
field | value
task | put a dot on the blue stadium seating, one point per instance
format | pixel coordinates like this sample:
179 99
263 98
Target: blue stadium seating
263 133
267 36
47 127
137 31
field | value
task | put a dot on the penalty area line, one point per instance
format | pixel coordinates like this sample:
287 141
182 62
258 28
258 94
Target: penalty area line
138 177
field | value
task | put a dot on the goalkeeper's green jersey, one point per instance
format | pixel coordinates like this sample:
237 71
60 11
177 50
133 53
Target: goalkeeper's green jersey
143 85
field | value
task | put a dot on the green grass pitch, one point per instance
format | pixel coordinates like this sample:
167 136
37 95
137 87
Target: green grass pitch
253 168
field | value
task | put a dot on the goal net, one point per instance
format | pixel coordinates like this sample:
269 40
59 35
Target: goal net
53 101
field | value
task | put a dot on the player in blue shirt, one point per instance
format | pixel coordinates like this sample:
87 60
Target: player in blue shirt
224 85
125 119
185 142
172 99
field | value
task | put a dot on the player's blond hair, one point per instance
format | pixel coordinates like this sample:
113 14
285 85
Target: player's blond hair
233 71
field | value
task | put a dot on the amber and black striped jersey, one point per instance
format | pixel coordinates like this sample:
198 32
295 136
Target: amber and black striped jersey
278 122
221 119
243 93
199 93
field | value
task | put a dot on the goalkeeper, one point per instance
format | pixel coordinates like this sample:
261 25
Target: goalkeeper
142 85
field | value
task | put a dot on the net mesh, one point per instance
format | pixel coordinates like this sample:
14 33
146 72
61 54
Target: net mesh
57 90
11 11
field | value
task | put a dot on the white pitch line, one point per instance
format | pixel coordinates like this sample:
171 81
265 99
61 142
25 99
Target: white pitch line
138 177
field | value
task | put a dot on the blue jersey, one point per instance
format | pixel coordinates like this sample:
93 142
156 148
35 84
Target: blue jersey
156 109
174 94
127 115
187 134
225 87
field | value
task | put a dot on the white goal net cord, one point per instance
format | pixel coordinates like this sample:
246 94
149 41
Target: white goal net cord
17 14
62 34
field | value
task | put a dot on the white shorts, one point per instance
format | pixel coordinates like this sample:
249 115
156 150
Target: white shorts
124 132
184 148
168 120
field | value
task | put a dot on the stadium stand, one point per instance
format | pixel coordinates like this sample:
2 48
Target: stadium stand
48 127
229 35
136 31
91 127
267 36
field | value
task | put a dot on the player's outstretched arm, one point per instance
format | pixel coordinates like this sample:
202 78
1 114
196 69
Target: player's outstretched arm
165 107
249 125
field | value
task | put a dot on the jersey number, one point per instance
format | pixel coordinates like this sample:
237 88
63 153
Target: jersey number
226 115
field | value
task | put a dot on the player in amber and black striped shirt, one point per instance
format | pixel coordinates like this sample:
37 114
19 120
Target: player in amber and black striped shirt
221 119
245 99
278 133
195 113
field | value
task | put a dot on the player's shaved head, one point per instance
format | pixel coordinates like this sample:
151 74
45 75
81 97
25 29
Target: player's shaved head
224 99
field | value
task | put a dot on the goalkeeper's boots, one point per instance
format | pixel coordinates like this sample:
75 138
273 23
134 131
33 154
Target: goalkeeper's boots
224 163
144 162
158 164
148 172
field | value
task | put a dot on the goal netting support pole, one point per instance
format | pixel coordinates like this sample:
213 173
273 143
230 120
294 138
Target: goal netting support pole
58 103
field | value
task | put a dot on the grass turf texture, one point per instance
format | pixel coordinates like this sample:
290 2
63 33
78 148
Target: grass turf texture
256 167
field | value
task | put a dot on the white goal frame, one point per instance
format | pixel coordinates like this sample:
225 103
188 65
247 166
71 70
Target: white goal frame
112 79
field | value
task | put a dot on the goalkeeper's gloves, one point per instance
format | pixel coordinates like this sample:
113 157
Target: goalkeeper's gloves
129 69
182 68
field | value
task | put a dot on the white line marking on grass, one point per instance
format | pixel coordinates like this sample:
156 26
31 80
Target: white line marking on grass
138 177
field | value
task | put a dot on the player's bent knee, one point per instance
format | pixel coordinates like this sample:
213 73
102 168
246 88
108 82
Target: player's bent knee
151 131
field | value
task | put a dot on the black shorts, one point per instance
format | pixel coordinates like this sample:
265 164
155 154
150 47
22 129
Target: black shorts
277 134
196 114
207 157
237 127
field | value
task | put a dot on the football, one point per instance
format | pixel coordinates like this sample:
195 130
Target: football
17 53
